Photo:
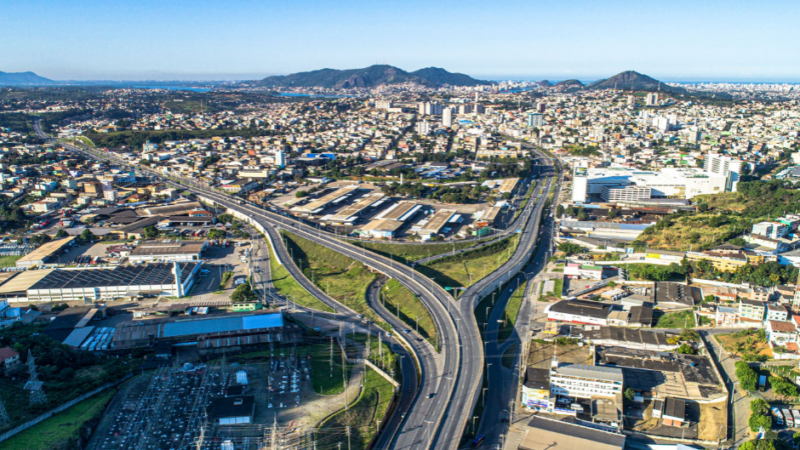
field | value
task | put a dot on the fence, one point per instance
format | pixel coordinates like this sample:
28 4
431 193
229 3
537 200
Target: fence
60 408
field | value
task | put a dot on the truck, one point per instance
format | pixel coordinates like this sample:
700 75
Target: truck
787 417
778 416
66 223
796 416
762 382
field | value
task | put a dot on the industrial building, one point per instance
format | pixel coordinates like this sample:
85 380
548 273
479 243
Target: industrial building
622 184
318 205
349 214
548 434
386 223
45 253
579 311
208 334
102 283
168 251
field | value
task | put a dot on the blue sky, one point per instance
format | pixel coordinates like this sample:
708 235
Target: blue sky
144 39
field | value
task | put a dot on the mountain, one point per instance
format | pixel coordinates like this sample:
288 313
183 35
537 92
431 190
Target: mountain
442 77
544 83
368 77
570 83
635 81
22 79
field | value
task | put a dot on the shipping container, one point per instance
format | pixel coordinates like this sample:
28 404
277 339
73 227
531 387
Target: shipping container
778 416
787 417
796 416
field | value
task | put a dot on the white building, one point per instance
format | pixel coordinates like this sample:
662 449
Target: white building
726 166
583 381
447 117
681 183
423 128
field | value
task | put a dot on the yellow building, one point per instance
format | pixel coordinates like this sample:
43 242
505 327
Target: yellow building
726 260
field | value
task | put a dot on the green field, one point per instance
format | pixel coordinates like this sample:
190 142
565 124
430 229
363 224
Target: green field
678 319
406 253
289 287
454 271
59 430
362 417
395 294
385 358
512 311
9 261
325 380
344 279
558 288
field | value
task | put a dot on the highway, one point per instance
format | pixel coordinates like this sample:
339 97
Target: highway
437 384
450 379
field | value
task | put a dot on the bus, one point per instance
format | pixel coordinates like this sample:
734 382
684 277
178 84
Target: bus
478 441
778 416
787 417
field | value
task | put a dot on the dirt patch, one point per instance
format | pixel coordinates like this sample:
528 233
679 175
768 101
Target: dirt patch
713 420
541 354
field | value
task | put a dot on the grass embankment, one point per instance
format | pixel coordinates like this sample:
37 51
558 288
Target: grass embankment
411 310
454 271
678 319
512 311
555 294
285 283
344 279
381 356
749 344
9 261
362 417
371 406
407 253
325 380
63 429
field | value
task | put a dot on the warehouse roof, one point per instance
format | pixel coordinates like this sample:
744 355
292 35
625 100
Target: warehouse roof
22 281
357 207
594 372
146 274
44 251
216 325
224 407
582 308
559 435
168 249
382 225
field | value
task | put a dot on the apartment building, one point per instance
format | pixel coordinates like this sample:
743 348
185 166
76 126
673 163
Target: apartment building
752 310
584 381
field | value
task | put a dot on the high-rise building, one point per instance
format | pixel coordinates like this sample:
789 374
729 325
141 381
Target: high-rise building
726 166
423 128
280 159
652 99
447 117
535 120
430 108
540 107
631 101
383 104
464 109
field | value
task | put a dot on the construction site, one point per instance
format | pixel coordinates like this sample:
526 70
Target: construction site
265 404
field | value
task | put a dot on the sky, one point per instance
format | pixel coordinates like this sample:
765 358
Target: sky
678 40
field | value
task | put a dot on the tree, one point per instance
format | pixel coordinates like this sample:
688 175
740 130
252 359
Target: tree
87 235
559 211
758 421
243 293
796 439
686 349
612 214
783 387
217 234
62 233
748 378
759 406
612 284
301 194
39 239
569 248
629 394
150 232
702 207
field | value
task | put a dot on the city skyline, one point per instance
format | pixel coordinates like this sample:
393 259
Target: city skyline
681 41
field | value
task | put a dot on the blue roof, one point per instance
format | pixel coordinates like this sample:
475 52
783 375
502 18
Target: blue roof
203 326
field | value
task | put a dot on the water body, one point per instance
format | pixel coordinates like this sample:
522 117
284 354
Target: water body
175 88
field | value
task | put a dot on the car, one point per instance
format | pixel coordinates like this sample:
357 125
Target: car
406 331
317 329
431 395
360 316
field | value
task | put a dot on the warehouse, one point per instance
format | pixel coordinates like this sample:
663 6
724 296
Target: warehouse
92 284
318 205
548 434
208 334
44 253
435 223
385 224
350 213
579 311
170 251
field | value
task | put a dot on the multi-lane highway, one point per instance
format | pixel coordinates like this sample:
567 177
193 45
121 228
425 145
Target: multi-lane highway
450 378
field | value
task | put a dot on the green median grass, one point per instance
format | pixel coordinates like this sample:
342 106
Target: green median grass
454 271
409 308
407 253
325 380
512 312
344 279
285 283
63 429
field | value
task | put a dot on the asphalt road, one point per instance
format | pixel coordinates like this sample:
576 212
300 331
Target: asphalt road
436 387
451 388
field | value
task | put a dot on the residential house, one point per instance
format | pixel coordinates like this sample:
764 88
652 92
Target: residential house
752 310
